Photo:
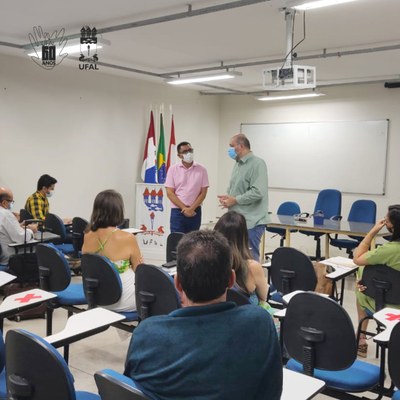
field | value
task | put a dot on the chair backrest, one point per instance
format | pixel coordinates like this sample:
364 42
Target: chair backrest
125 224
111 388
155 291
54 271
35 369
25 214
78 230
292 270
321 324
54 224
288 208
394 359
362 211
101 282
172 243
329 201
382 284
237 297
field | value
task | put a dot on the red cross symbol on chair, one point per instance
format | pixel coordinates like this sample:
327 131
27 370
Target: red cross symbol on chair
27 298
393 317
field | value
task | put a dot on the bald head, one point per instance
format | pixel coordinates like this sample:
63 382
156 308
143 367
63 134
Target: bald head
242 140
241 145
6 197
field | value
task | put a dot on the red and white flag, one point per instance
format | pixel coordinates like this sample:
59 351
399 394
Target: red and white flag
172 159
149 167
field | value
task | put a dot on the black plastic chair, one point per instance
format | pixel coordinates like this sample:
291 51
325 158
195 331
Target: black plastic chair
383 285
286 208
291 270
173 240
394 360
78 231
361 211
329 202
115 386
102 286
155 292
36 371
54 224
319 337
237 296
24 214
55 276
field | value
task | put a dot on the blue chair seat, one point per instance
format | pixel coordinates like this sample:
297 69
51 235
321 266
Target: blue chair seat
360 377
86 396
65 248
344 243
72 295
396 395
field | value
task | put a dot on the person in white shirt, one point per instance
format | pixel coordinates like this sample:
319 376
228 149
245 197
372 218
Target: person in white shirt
10 229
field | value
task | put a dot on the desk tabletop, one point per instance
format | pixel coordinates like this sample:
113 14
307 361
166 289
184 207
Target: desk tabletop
5 278
388 317
85 324
299 386
38 237
342 267
329 226
20 300
134 231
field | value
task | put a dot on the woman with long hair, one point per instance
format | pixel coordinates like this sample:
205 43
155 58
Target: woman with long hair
250 276
387 254
103 237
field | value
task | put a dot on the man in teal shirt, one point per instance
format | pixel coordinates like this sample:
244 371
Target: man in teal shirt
248 190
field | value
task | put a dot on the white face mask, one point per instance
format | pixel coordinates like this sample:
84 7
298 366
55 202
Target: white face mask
49 194
188 158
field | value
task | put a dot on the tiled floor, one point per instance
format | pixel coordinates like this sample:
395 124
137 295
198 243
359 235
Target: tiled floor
108 349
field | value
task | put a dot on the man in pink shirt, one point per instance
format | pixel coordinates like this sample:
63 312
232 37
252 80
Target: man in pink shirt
187 185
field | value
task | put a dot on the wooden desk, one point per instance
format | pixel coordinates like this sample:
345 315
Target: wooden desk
300 387
328 227
84 324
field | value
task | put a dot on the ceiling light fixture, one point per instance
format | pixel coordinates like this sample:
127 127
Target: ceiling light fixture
204 78
310 5
290 96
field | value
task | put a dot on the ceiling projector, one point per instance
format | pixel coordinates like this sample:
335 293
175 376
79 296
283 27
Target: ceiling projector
289 78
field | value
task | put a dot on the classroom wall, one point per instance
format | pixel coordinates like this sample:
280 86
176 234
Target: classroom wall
344 103
88 129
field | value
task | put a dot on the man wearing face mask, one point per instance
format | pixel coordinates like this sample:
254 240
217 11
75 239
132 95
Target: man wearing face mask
38 204
10 229
248 190
186 185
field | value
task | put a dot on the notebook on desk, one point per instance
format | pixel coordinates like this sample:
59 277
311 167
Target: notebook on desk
339 261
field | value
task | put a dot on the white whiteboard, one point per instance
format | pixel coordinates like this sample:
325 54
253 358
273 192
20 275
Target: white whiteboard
346 155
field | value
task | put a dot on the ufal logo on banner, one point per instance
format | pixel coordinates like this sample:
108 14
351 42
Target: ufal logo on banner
88 57
47 48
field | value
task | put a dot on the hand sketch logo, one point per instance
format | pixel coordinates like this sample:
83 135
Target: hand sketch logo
88 57
47 49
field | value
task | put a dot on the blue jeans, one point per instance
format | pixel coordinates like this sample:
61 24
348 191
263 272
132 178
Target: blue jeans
180 223
255 235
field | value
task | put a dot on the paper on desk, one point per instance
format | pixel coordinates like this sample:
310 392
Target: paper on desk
342 262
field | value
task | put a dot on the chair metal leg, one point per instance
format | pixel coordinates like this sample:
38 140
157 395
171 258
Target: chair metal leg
49 321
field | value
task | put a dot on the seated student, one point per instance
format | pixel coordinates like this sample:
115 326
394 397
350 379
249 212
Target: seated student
388 254
103 237
37 204
250 276
10 229
210 348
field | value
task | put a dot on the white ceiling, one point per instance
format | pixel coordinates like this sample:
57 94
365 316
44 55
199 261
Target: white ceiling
246 34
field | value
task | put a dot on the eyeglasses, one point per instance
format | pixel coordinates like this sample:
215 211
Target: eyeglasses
186 151
10 201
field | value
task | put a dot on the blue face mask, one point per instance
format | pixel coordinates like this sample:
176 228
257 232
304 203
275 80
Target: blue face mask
232 153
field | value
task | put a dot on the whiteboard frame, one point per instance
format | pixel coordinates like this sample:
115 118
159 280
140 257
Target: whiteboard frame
309 130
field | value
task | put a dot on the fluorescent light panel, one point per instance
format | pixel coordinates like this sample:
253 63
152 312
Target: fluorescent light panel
310 5
75 48
290 97
204 78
